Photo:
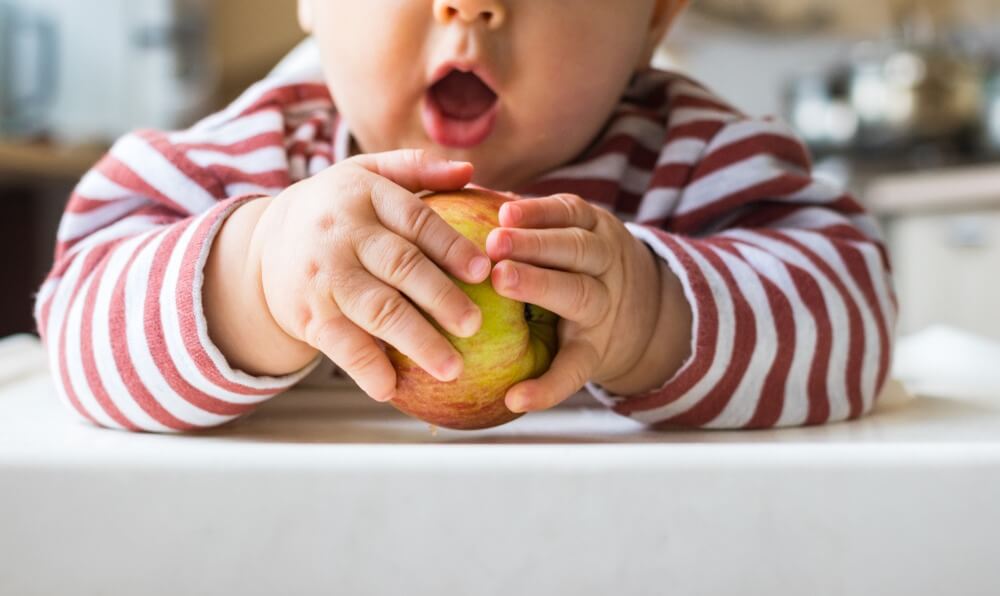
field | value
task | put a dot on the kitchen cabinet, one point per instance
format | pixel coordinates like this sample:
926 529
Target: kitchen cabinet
35 180
33 162
943 231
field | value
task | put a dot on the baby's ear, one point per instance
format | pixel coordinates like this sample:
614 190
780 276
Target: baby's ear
665 12
306 15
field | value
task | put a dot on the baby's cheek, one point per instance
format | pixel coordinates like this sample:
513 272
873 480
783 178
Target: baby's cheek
557 124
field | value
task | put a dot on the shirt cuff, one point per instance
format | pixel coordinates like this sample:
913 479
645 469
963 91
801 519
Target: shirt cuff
208 358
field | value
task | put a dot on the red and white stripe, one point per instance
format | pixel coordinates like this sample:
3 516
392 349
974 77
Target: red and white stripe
121 311
786 275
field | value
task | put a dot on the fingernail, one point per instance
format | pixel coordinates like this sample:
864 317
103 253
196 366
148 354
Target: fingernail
516 404
387 398
480 267
446 168
514 213
452 368
471 322
511 278
505 244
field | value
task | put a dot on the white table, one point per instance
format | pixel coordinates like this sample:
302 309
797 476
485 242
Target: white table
330 493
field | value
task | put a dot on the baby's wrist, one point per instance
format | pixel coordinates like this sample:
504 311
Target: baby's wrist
638 314
287 352
239 320
670 331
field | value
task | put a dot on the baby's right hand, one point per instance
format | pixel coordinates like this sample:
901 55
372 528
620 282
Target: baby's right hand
340 253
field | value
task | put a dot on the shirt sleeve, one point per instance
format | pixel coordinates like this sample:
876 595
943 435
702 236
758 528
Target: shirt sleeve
121 311
788 281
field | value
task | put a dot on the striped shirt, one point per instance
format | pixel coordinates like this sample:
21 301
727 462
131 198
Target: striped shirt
786 275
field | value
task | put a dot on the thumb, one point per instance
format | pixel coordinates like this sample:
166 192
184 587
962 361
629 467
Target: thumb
417 170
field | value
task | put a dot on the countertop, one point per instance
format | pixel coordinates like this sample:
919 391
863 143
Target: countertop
948 190
327 492
30 161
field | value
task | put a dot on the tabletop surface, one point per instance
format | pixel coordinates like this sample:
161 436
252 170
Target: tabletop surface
316 427
323 488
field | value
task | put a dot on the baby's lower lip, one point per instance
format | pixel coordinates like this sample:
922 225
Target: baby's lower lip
453 132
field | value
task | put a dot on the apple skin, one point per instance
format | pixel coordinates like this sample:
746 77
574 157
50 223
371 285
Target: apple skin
516 341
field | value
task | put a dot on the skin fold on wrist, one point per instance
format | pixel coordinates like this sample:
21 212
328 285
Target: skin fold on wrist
668 344
239 321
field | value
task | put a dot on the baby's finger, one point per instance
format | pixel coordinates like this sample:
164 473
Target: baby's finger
572 296
383 312
402 212
357 354
417 170
401 265
569 249
573 366
558 211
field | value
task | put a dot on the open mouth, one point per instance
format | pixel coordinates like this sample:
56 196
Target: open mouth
460 110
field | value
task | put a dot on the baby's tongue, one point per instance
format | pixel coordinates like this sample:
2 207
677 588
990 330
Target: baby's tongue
463 96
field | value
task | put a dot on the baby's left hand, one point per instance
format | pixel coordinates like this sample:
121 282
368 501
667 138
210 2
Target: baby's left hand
580 262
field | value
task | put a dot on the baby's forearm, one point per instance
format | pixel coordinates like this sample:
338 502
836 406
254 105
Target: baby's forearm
669 345
239 321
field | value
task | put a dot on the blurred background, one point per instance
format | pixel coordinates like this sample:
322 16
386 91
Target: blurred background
898 99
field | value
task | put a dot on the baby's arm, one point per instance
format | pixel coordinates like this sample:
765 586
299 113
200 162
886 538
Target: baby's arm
768 301
121 311
789 286
156 321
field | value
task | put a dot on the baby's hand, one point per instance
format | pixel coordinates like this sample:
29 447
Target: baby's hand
580 262
342 251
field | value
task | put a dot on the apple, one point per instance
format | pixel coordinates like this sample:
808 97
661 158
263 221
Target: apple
517 341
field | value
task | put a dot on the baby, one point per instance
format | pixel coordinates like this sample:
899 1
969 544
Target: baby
200 273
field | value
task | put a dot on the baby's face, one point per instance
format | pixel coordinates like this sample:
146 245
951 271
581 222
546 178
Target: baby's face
517 87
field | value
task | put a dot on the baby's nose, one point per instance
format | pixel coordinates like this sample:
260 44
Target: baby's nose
492 12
